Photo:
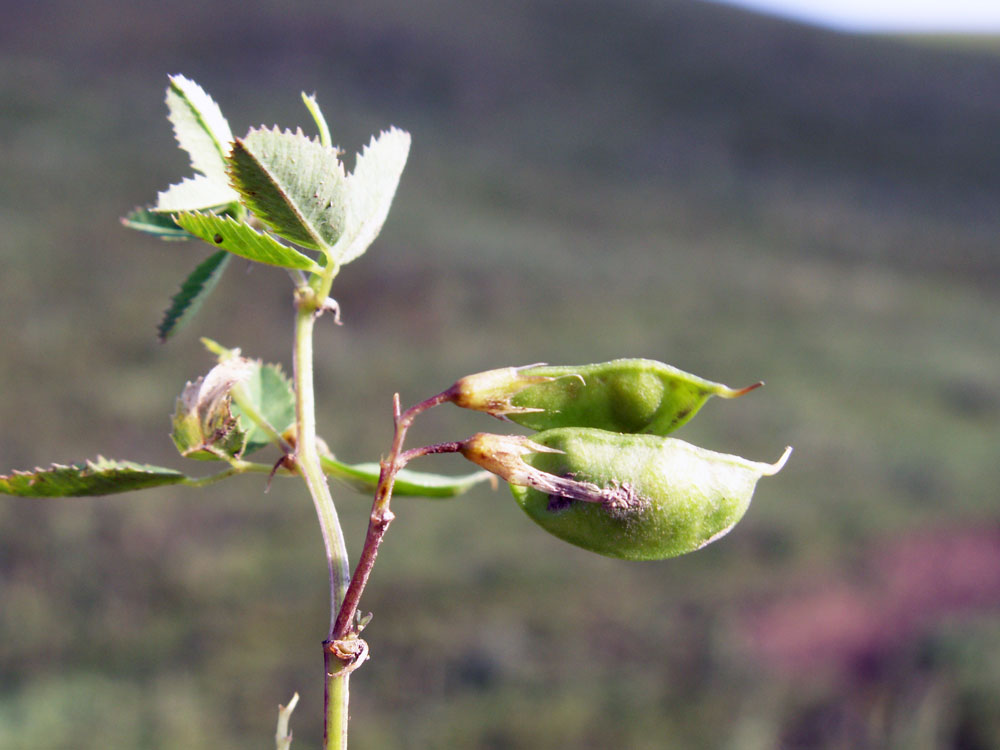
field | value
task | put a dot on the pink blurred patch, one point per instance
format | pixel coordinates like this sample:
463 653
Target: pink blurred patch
839 625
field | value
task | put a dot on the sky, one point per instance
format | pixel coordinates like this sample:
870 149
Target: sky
887 15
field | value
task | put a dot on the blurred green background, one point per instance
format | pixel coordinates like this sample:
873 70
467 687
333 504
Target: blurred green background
742 197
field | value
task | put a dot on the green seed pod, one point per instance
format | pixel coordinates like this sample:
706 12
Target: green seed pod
637 497
624 395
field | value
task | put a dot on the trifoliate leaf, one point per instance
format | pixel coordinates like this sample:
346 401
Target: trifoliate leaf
370 190
265 395
151 222
294 184
196 287
200 128
193 194
99 477
241 239
204 426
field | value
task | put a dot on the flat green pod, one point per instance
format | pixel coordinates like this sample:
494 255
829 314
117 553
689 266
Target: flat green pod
639 497
623 395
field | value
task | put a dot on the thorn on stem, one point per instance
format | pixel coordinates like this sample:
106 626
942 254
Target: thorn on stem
285 462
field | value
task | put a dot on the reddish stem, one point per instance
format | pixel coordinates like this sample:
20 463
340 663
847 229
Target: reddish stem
381 516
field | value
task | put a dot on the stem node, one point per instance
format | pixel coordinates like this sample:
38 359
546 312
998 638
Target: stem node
345 655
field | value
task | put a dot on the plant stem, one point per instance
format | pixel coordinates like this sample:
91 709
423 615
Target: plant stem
336 697
307 458
381 516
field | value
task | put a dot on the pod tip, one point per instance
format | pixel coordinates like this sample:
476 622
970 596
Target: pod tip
780 463
736 393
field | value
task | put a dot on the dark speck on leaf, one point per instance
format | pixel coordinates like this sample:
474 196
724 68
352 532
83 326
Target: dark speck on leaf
217 239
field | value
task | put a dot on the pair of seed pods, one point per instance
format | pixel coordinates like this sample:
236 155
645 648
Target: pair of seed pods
600 472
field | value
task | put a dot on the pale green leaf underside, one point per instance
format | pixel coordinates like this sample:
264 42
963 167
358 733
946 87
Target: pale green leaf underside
157 224
364 478
200 127
293 184
370 190
268 392
195 289
241 239
194 194
98 477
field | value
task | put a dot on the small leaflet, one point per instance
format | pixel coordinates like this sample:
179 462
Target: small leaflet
100 476
239 238
193 292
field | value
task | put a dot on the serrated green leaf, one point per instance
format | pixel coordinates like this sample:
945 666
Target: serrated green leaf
158 224
370 190
194 194
200 128
364 478
204 426
196 287
265 395
99 477
294 184
241 239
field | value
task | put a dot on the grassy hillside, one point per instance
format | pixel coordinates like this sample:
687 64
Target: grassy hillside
742 197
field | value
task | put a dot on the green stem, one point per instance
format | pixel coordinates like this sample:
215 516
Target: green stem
308 461
241 467
307 458
336 697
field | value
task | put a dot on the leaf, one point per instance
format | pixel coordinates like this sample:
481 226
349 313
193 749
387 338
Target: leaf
204 426
370 190
266 394
195 289
294 184
200 128
364 478
99 477
158 224
424 484
193 194
241 239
